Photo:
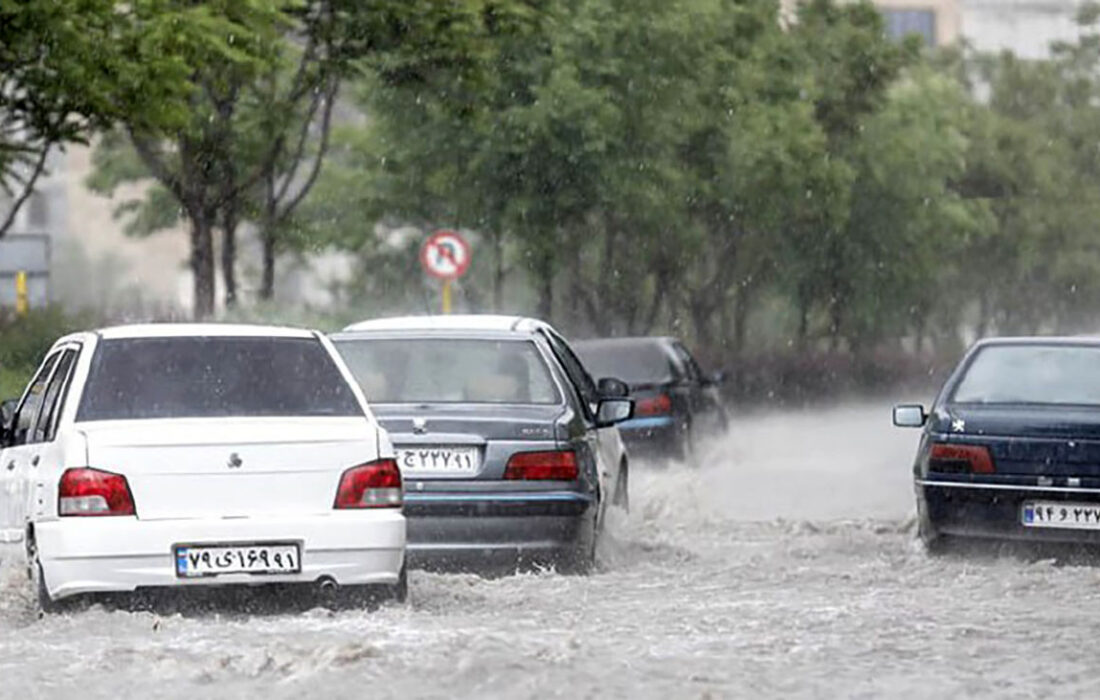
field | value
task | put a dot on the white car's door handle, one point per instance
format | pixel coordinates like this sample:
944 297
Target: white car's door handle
34 460
11 465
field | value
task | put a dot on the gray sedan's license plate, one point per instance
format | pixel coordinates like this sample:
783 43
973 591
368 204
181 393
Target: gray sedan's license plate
439 459
1060 514
211 560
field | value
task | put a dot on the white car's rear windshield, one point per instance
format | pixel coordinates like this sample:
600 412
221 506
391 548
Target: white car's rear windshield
200 377
1035 374
449 370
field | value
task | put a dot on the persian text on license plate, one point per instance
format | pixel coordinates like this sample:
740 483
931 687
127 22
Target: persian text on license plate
211 560
439 460
1075 516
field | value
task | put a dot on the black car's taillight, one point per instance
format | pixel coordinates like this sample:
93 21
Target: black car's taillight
949 458
653 405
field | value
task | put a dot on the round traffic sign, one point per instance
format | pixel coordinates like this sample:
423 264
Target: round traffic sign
445 255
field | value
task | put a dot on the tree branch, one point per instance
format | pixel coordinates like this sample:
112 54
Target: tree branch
319 157
154 160
300 146
28 188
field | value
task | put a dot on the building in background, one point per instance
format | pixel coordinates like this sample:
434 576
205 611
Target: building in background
937 22
1025 27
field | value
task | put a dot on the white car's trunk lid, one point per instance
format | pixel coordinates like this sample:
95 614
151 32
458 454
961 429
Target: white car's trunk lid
231 467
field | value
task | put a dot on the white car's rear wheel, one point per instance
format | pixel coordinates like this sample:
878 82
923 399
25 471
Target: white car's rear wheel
370 596
44 604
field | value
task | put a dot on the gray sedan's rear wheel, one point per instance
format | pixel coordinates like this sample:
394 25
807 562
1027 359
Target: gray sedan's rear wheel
622 488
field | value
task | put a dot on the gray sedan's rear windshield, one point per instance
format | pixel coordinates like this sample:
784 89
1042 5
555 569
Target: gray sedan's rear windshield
1038 374
198 377
449 370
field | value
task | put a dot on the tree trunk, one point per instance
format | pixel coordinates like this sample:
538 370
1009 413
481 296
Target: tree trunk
660 291
267 283
701 312
229 255
803 319
545 275
497 242
202 264
741 308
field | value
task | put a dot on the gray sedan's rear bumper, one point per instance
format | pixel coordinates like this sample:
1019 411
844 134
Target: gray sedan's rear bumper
474 530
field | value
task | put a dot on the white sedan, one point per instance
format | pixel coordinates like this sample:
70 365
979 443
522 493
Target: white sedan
174 455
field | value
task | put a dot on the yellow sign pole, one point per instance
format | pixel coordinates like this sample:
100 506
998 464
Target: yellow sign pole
21 301
446 296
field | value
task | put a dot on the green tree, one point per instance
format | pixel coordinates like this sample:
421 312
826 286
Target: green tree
69 67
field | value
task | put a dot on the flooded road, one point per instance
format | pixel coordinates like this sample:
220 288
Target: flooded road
785 566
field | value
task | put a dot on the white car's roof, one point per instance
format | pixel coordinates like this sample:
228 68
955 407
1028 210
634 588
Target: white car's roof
174 330
451 322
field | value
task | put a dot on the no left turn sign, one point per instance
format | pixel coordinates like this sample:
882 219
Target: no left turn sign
445 255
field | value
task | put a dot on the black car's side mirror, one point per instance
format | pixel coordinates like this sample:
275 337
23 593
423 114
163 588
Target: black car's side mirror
611 388
716 378
909 416
612 411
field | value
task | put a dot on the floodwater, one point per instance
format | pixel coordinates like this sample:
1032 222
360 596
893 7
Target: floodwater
784 566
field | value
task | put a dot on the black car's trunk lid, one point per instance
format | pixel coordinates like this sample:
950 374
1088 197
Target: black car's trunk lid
1029 440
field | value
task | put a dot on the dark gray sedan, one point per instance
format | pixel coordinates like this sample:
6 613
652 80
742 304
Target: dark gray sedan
508 448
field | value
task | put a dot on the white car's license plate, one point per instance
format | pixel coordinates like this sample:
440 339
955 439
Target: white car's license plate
1059 514
439 459
211 560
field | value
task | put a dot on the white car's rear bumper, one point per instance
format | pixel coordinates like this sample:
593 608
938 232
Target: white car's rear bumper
119 554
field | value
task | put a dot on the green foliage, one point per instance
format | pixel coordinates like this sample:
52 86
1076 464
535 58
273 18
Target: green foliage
699 167
25 340
68 67
688 166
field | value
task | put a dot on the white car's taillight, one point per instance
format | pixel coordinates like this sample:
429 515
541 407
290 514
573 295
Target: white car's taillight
371 485
87 491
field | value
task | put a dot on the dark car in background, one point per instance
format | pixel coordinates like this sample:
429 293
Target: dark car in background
675 401
1011 446
507 446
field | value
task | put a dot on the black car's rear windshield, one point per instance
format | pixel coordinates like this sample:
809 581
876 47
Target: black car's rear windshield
449 370
1034 374
200 377
633 363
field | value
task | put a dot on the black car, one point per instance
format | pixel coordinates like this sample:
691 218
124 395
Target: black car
1011 447
675 401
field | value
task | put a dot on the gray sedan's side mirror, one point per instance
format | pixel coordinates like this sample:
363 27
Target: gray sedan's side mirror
909 416
612 411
